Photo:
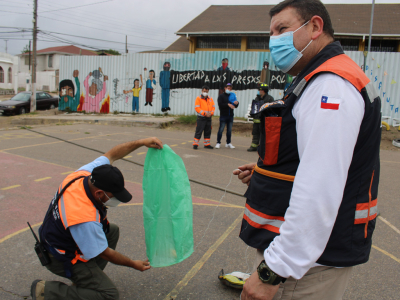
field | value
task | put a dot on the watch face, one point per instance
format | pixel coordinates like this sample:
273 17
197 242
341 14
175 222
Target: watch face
265 274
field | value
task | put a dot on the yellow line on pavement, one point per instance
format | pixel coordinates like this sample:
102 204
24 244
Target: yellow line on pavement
18 232
10 187
389 224
391 162
69 172
128 156
41 179
183 143
173 145
141 153
213 153
196 268
386 253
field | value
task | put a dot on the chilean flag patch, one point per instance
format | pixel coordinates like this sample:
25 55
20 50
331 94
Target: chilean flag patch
329 103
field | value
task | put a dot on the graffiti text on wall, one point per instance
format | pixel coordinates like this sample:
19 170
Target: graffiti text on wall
242 80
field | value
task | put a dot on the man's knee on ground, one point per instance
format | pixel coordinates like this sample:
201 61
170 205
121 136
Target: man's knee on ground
111 293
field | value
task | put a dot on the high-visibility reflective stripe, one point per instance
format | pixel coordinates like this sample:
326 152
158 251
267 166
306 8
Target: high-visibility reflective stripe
197 106
196 142
262 221
274 174
364 206
60 251
62 210
363 214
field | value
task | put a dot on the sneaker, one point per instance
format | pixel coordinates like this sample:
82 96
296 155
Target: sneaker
217 146
230 146
209 147
146 103
251 149
195 146
150 104
37 290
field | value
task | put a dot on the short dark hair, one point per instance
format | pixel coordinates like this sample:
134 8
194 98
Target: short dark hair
135 81
307 9
225 59
67 82
152 71
205 87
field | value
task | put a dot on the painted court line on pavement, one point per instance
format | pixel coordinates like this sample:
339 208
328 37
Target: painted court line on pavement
41 179
10 187
196 268
389 224
69 172
141 153
386 253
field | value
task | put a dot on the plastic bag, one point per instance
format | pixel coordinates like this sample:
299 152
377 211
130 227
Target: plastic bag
167 208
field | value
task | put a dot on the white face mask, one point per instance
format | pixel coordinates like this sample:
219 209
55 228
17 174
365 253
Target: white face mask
227 91
205 94
112 202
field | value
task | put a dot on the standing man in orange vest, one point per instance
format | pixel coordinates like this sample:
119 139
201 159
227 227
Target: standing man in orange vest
312 198
205 109
77 235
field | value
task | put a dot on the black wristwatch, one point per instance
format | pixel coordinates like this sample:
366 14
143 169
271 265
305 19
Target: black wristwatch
266 275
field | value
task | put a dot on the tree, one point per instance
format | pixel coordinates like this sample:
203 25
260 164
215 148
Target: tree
109 51
25 49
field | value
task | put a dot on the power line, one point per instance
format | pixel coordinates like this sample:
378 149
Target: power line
65 8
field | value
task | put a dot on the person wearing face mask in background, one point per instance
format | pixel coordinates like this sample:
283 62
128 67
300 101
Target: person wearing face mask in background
205 108
77 235
226 117
262 97
312 196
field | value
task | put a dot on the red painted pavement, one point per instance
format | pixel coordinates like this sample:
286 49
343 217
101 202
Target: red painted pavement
30 201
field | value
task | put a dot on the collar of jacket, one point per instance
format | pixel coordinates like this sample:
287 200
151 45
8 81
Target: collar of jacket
331 50
202 97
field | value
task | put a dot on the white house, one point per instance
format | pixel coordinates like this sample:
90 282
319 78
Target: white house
47 66
8 71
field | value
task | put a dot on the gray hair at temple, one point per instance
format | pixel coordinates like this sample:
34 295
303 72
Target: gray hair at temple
99 84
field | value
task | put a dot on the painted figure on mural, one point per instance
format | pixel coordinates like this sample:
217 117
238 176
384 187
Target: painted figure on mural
223 67
165 85
95 92
265 75
68 97
150 86
135 90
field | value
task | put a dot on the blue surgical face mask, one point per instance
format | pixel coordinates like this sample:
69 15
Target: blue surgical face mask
258 93
227 91
283 52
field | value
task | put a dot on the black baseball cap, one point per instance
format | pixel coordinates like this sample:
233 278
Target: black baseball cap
110 179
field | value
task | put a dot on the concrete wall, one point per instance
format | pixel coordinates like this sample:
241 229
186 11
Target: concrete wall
45 78
42 63
8 61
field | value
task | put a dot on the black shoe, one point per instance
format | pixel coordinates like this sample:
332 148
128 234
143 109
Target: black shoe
195 147
209 147
251 149
146 103
150 104
163 109
168 108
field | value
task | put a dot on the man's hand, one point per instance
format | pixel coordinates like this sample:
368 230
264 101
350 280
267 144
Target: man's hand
245 173
255 289
141 265
236 102
231 106
208 115
152 142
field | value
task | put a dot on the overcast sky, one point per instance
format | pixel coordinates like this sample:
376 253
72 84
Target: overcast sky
149 24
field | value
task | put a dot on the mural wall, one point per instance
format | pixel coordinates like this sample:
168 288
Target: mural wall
157 82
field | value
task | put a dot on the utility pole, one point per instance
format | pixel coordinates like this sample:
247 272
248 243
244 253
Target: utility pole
6 45
370 34
30 55
126 44
33 97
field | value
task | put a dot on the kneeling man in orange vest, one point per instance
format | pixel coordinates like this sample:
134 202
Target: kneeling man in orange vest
77 235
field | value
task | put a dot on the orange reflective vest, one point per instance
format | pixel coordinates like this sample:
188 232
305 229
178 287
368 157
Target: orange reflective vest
75 206
204 105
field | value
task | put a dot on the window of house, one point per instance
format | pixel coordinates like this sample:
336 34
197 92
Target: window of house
258 42
219 42
27 60
50 64
382 45
349 44
9 75
1 75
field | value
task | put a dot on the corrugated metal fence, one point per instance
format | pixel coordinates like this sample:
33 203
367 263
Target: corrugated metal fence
382 68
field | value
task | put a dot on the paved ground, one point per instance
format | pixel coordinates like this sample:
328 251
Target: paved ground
32 166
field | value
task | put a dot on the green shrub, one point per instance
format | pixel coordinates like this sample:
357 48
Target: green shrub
187 119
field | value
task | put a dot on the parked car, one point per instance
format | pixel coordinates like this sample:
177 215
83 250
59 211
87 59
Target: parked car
20 103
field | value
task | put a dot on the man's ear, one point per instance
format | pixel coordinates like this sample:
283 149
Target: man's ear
317 26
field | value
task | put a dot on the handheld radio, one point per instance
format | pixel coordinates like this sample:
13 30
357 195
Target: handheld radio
40 250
